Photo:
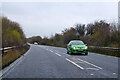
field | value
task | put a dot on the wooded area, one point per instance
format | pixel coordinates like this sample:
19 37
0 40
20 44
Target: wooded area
12 34
99 33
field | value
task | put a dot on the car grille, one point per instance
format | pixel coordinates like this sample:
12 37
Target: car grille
80 47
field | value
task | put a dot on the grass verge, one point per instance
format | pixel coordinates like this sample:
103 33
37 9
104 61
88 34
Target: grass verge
108 52
11 55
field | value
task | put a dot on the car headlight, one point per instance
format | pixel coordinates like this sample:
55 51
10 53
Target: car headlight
74 47
86 47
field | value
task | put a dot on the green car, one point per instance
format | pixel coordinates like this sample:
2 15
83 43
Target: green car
77 46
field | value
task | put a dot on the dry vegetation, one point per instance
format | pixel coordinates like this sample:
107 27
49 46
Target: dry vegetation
12 55
12 35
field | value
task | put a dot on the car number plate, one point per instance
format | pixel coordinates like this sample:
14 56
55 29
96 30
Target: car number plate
80 50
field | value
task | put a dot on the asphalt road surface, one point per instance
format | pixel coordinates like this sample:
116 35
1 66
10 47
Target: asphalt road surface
53 62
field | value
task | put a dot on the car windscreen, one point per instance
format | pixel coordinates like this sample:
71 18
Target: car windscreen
77 43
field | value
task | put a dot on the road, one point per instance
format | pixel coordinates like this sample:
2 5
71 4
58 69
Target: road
53 62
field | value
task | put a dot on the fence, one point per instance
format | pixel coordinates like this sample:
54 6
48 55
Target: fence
9 48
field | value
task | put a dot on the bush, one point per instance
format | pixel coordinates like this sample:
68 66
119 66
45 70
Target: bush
12 34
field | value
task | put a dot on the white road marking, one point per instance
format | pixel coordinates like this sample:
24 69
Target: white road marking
90 63
74 63
114 73
51 51
92 68
13 65
91 74
57 54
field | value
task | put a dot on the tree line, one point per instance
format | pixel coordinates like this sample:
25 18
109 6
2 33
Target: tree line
12 34
99 33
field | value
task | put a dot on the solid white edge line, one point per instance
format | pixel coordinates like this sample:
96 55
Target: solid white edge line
13 64
90 63
74 63
57 54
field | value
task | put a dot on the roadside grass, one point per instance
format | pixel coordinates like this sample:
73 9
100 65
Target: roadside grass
11 55
115 53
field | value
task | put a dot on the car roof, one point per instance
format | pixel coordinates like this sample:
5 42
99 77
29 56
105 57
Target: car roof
75 40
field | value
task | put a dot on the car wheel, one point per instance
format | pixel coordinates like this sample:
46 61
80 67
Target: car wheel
70 53
67 52
86 53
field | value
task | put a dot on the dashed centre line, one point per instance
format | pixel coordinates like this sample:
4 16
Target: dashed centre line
91 74
57 54
51 51
79 60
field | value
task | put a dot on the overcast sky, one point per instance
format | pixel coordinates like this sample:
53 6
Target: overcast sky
48 18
